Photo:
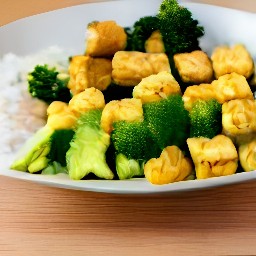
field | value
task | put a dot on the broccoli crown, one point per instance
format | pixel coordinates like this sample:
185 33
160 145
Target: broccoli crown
134 141
44 83
180 32
168 121
140 32
87 152
205 118
60 144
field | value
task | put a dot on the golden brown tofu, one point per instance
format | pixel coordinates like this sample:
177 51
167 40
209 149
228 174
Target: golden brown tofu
247 155
156 87
227 87
171 166
116 110
237 59
104 38
198 92
154 44
86 72
232 86
213 157
60 116
239 120
129 67
194 67
90 98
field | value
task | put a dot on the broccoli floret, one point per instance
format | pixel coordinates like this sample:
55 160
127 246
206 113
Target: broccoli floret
133 146
141 30
168 121
48 85
180 32
87 153
205 118
42 149
133 139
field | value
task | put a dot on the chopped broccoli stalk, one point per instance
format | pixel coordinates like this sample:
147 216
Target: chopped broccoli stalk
32 156
168 121
48 85
60 144
205 118
180 32
133 140
128 168
87 153
42 149
141 30
54 168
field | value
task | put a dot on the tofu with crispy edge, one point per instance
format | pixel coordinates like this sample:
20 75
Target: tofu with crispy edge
104 38
194 67
228 59
130 67
86 72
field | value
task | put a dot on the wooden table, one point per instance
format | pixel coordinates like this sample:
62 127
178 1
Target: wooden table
39 220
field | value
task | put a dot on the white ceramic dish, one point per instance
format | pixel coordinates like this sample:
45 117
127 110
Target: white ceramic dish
66 28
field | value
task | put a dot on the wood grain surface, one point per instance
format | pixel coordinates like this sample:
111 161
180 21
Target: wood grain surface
40 220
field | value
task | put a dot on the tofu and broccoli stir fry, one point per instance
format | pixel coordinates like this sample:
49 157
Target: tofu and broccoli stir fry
146 101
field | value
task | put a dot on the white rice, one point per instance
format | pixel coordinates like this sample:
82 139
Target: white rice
20 114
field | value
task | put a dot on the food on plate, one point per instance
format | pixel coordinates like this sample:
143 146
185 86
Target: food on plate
130 67
104 38
213 157
87 152
225 88
86 71
90 98
60 116
247 155
232 86
194 67
144 36
156 87
239 119
154 44
205 119
171 166
48 84
146 101
180 31
116 110
228 59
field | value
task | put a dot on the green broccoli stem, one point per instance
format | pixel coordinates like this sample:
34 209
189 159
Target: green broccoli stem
128 168
87 153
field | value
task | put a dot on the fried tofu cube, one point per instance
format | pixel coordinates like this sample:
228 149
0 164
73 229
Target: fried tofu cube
86 72
154 44
116 110
130 67
232 86
236 58
198 92
156 87
247 155
239 117
194 67
89 99
213 157
105 38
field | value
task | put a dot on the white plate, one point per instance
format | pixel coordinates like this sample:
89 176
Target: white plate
66 28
